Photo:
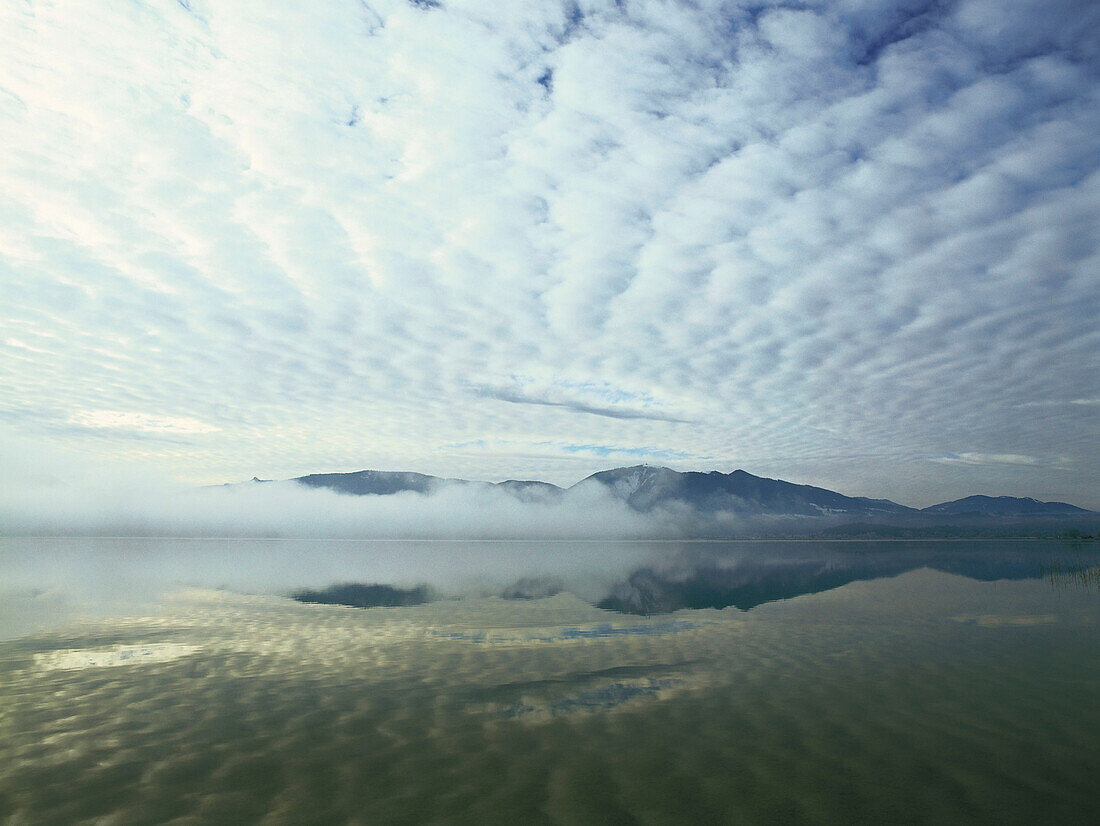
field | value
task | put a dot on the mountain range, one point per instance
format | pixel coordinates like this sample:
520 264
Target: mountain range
709 502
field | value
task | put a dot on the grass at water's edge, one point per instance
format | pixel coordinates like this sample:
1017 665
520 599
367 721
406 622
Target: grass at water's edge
1064 574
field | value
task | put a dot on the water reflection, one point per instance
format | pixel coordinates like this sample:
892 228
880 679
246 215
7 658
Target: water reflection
871 683
48 582
719 575
1077 573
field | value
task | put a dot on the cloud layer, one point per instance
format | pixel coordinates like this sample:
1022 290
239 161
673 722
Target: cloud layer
839 243
291 510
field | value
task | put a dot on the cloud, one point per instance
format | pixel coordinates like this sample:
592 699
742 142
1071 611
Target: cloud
986 459
791 238
648 452
118 507
144 422
1059 402
515 397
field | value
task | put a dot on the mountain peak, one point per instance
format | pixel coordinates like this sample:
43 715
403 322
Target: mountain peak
739 493
980 505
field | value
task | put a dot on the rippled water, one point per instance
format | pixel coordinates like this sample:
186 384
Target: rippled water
148 681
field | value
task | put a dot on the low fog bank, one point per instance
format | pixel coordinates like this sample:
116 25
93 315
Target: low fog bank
50 581
290 510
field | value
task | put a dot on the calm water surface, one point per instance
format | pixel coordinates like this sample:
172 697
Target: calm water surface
173 681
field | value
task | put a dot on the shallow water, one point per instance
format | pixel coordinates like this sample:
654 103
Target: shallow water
866 682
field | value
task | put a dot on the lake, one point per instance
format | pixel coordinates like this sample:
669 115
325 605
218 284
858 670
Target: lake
175 681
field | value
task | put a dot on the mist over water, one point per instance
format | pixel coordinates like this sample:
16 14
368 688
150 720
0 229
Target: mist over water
60 577
287 509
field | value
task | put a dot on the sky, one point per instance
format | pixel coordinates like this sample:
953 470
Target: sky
852 244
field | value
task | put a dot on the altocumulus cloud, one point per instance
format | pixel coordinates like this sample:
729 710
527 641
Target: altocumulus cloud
985 459
111 419
821 241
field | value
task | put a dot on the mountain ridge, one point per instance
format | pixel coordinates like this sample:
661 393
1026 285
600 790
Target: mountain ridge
998 505
645 488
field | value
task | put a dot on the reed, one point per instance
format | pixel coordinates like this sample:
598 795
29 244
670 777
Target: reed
1064 574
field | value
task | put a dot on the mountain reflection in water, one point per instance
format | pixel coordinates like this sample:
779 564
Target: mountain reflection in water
719 575
747 574
869 683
